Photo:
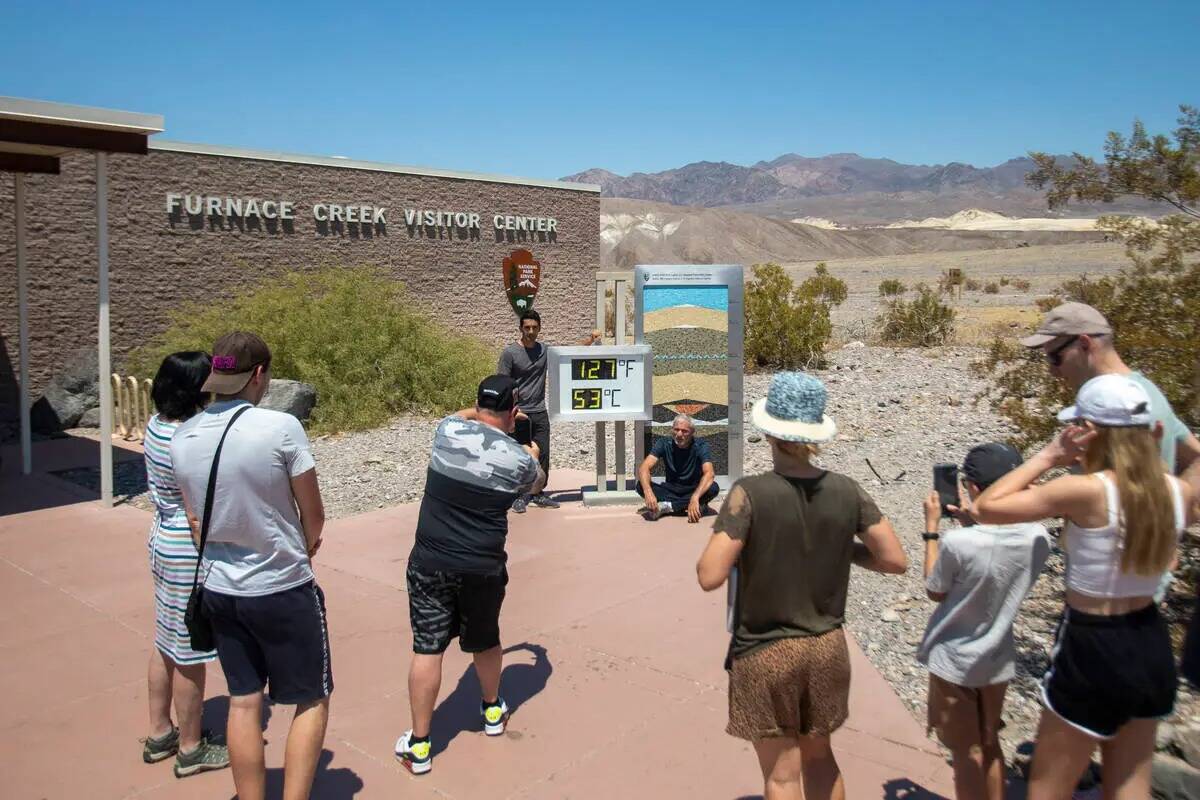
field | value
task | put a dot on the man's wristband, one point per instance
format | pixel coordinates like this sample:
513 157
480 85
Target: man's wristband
931 537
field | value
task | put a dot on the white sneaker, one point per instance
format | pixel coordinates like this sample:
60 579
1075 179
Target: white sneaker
495 718
418 758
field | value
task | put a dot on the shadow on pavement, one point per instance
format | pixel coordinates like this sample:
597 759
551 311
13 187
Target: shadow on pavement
904 789
519 682
328 784
216 714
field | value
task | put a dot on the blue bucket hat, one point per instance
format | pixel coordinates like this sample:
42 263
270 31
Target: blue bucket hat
794 410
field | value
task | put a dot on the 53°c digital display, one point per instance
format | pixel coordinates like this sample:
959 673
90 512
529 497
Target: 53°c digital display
585 399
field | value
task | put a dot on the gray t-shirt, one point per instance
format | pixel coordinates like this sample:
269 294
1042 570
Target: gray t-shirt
528 369
985 572
255 542
1160 408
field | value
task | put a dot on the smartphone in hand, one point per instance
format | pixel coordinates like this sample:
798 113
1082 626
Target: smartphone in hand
945 483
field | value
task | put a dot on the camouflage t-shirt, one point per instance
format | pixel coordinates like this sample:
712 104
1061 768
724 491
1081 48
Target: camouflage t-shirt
475 473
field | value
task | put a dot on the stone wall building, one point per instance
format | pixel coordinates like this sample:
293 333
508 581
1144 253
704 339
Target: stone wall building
197 223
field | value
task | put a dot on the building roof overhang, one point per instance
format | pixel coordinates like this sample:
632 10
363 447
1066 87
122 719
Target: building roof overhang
34 133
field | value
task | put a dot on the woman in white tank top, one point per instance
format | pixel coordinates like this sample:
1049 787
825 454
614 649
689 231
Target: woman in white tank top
1112 672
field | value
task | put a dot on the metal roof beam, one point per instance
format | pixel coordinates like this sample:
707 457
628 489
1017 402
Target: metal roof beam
26 162
50 135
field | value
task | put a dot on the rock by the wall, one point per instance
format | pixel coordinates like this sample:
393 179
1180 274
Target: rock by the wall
294 397
90 418
1173 779
71 392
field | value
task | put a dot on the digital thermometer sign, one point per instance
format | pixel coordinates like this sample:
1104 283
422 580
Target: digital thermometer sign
600 383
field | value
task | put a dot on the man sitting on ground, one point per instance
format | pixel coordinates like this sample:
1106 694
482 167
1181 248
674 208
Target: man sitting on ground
690 481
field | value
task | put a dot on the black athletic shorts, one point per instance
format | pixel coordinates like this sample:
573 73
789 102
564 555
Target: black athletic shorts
442 605
278 640
1108 670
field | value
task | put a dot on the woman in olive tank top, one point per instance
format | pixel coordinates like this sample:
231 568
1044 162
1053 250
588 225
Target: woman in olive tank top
793 534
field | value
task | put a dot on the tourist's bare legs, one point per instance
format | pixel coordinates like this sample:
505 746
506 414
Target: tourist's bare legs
424 682
488 665
822 776
780 760
1061 756
181 685
244 732
188 697
306 738
1125 760
979 771
158 680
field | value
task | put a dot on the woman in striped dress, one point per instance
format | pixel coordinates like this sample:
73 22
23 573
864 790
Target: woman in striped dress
176 672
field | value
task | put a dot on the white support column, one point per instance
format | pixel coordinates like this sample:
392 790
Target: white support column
103 345
619 339
23 324
601 461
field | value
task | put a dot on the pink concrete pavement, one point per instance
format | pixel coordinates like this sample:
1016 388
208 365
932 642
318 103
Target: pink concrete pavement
614 674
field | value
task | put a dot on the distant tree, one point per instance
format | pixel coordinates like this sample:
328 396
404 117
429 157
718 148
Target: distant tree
1141 166
1153 305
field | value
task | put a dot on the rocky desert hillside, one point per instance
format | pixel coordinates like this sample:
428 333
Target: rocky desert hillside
641 232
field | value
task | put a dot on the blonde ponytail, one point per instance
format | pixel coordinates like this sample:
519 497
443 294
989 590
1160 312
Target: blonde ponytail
1147 508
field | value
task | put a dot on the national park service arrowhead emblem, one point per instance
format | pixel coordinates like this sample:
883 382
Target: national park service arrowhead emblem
522 277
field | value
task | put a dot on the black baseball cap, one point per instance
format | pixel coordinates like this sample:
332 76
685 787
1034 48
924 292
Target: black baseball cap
987 463
497 393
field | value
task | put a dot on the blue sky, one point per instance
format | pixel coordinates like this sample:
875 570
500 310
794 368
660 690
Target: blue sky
544 90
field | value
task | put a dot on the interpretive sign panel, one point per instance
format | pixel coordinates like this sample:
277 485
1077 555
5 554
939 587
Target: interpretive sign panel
693 317
600 383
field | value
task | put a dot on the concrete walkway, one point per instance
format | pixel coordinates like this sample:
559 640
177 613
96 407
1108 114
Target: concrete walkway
614 671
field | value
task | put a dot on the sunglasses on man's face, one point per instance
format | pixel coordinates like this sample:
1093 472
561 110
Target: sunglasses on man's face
1055 356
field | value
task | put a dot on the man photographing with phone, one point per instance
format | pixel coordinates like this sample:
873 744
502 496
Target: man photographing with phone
978 575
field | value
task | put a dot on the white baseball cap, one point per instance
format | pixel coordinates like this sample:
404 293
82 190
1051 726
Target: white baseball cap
1113 401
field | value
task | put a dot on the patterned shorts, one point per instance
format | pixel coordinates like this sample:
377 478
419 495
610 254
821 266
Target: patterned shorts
443 605
792 687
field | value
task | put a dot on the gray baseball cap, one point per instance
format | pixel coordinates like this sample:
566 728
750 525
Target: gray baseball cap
1069 319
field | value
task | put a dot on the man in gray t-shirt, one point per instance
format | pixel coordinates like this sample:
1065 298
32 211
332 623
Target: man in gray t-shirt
265 519
979 576
525 363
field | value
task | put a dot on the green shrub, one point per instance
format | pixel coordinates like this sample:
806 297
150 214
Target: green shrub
788 326
991 288
973 285
824 287
891 288
351 332
1004 281
922 322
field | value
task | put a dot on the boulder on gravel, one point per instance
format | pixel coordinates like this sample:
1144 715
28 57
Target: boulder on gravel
71 392
1172 779
90 418
293 397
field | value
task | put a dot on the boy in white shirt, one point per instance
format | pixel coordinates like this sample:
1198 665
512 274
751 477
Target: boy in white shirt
978 576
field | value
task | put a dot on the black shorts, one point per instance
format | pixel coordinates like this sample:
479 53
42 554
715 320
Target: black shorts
442 605
1108 670
278 640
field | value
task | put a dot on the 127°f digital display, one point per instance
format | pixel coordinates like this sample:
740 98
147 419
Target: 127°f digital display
593 369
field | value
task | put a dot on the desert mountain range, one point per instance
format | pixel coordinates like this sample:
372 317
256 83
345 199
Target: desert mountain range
845 188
